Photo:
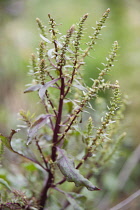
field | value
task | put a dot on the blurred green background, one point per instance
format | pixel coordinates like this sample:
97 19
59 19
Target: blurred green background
20 37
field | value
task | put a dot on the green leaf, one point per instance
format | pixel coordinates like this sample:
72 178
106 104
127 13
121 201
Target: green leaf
3 182
44 87
1 150
33 88
6 141
39 123
66 166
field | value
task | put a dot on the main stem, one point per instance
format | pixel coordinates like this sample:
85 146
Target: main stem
50 179
58 120
43 194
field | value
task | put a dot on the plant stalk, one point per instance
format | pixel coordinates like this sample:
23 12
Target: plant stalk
43 195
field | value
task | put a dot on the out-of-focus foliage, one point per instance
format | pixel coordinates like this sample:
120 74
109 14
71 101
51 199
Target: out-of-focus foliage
18 41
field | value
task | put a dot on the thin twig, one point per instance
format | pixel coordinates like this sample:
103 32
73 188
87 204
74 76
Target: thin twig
51 103
46 108
42 155
71 123
125 202
52 64
128 167
52 78
61 182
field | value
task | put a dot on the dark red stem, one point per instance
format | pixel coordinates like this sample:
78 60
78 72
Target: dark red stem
50 180
43 194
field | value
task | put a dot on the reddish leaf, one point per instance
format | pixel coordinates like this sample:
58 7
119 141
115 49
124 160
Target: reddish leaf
39 123
44 87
